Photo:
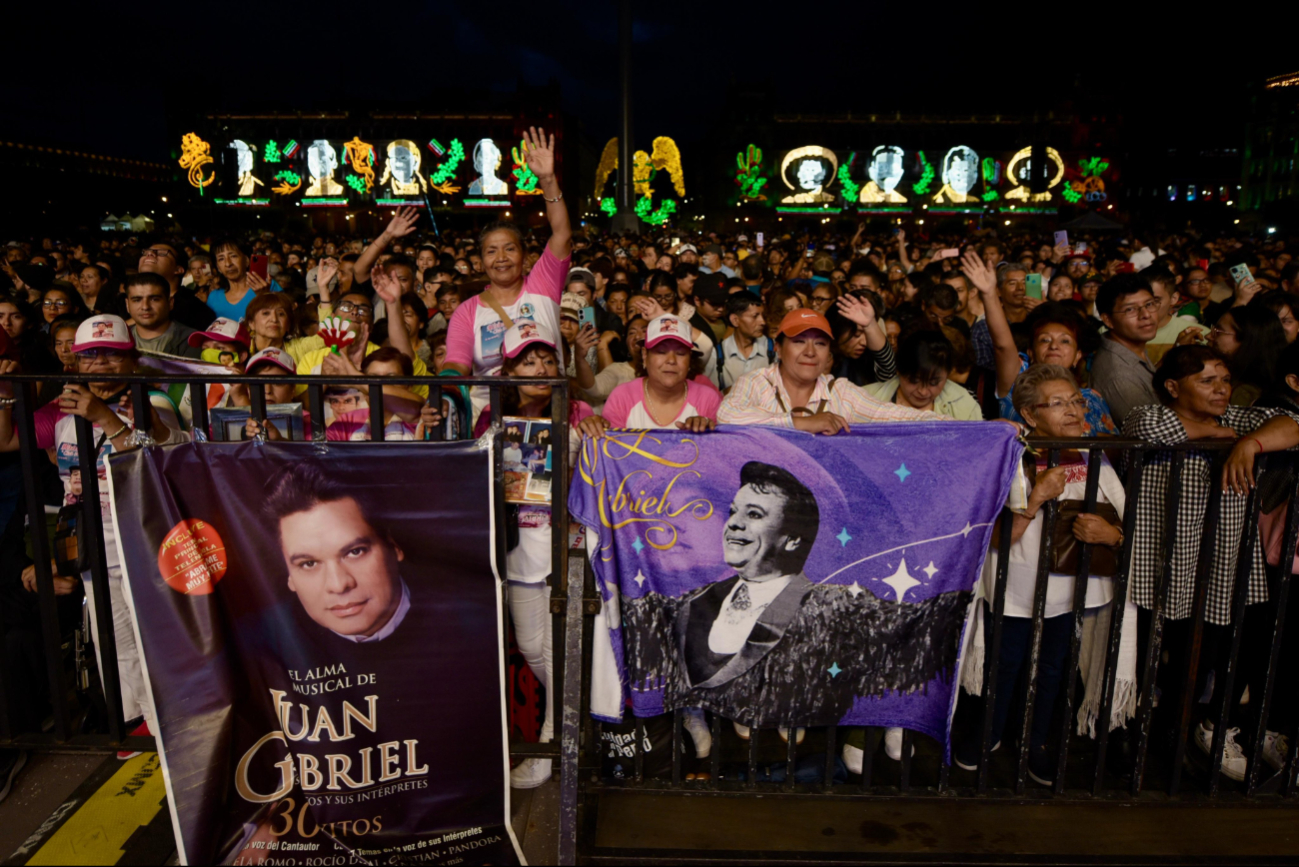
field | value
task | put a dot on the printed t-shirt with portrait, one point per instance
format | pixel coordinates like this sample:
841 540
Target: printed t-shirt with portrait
68 456
475 333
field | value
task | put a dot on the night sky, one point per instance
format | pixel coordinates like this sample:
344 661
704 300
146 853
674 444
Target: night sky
104 78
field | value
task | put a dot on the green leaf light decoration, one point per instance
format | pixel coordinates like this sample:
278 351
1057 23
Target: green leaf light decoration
525 179
845 179
1093 166
991 196
272 152
447 170
609 206
356 182
292 178
1071 195
926 177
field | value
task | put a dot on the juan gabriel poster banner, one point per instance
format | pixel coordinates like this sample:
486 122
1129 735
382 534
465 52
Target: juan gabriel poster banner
321 638
776 577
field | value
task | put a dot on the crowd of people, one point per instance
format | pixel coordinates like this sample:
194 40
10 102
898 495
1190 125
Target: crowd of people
1167 338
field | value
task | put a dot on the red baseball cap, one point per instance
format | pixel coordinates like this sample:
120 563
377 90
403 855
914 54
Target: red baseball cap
803 319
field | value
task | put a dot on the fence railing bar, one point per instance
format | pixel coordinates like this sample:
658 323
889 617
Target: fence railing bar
1045 551
1131 492
198 407
376 413
751 781
904 770
1151 666
30 458
715 755
106 640
1081 579
868 756
791 758
831 753
992 648
316 406
677 746
1226 682
1195 634
1281 595
573 690
639 763
437 433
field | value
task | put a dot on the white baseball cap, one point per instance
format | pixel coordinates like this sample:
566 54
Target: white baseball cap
684 247
523 334
667 327
272 355
103 330
222 330
571 305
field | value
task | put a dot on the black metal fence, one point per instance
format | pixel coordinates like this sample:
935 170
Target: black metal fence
1145 765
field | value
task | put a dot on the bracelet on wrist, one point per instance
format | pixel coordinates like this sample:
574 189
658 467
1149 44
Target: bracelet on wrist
554 200
121 430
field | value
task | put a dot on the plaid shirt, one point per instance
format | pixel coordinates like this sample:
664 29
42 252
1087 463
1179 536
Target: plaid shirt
760 397
1159 424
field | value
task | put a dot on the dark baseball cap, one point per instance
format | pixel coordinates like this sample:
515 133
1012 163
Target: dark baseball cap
711 288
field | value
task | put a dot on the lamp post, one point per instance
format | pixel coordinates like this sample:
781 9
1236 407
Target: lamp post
625 220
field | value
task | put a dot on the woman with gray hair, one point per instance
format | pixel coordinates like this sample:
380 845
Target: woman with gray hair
1047 396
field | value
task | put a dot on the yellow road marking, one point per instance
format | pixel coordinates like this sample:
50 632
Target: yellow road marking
96 833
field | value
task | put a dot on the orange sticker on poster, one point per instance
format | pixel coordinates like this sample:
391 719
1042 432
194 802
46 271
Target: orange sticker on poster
192 558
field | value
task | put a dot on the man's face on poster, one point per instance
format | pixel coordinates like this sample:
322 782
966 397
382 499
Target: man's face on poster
342 569
755 543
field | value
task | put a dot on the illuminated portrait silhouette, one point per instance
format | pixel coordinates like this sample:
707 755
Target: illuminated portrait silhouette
487 159
322 161
807 171
885 171
1020 169
244 162
402 168
960 174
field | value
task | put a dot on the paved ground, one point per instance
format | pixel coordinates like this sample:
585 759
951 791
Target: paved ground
91 809
40 788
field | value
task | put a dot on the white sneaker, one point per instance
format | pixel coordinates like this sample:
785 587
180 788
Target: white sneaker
798 735
893 744
1276 749
852 758
697 726
530 774
1233 757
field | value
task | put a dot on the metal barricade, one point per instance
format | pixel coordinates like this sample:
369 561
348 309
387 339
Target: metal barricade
1083 768
566 606
1083 771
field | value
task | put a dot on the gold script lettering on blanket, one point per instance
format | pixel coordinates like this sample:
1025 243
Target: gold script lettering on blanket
641 506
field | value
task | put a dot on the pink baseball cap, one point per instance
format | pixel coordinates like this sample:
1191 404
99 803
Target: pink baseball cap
667 327
272 355
105 331
523 334
222 330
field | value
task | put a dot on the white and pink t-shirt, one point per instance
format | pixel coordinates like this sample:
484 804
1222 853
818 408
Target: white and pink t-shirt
625 407
475 332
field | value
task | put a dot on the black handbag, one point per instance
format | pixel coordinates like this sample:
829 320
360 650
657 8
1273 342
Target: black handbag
1066 547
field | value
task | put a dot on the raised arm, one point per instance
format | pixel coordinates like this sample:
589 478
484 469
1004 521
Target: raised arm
390 292
401 225
1003 342
541 160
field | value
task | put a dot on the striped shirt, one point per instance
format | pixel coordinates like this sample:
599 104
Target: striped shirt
760 397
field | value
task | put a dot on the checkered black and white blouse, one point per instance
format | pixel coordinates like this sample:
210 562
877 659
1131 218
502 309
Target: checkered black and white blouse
1159 424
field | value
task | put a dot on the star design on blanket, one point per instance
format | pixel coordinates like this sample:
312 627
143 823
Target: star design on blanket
640 578
902 472
844 538
638 545
901 580
855 589
834 669
930 570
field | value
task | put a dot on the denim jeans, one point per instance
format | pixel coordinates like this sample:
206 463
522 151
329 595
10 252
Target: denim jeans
1016 640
